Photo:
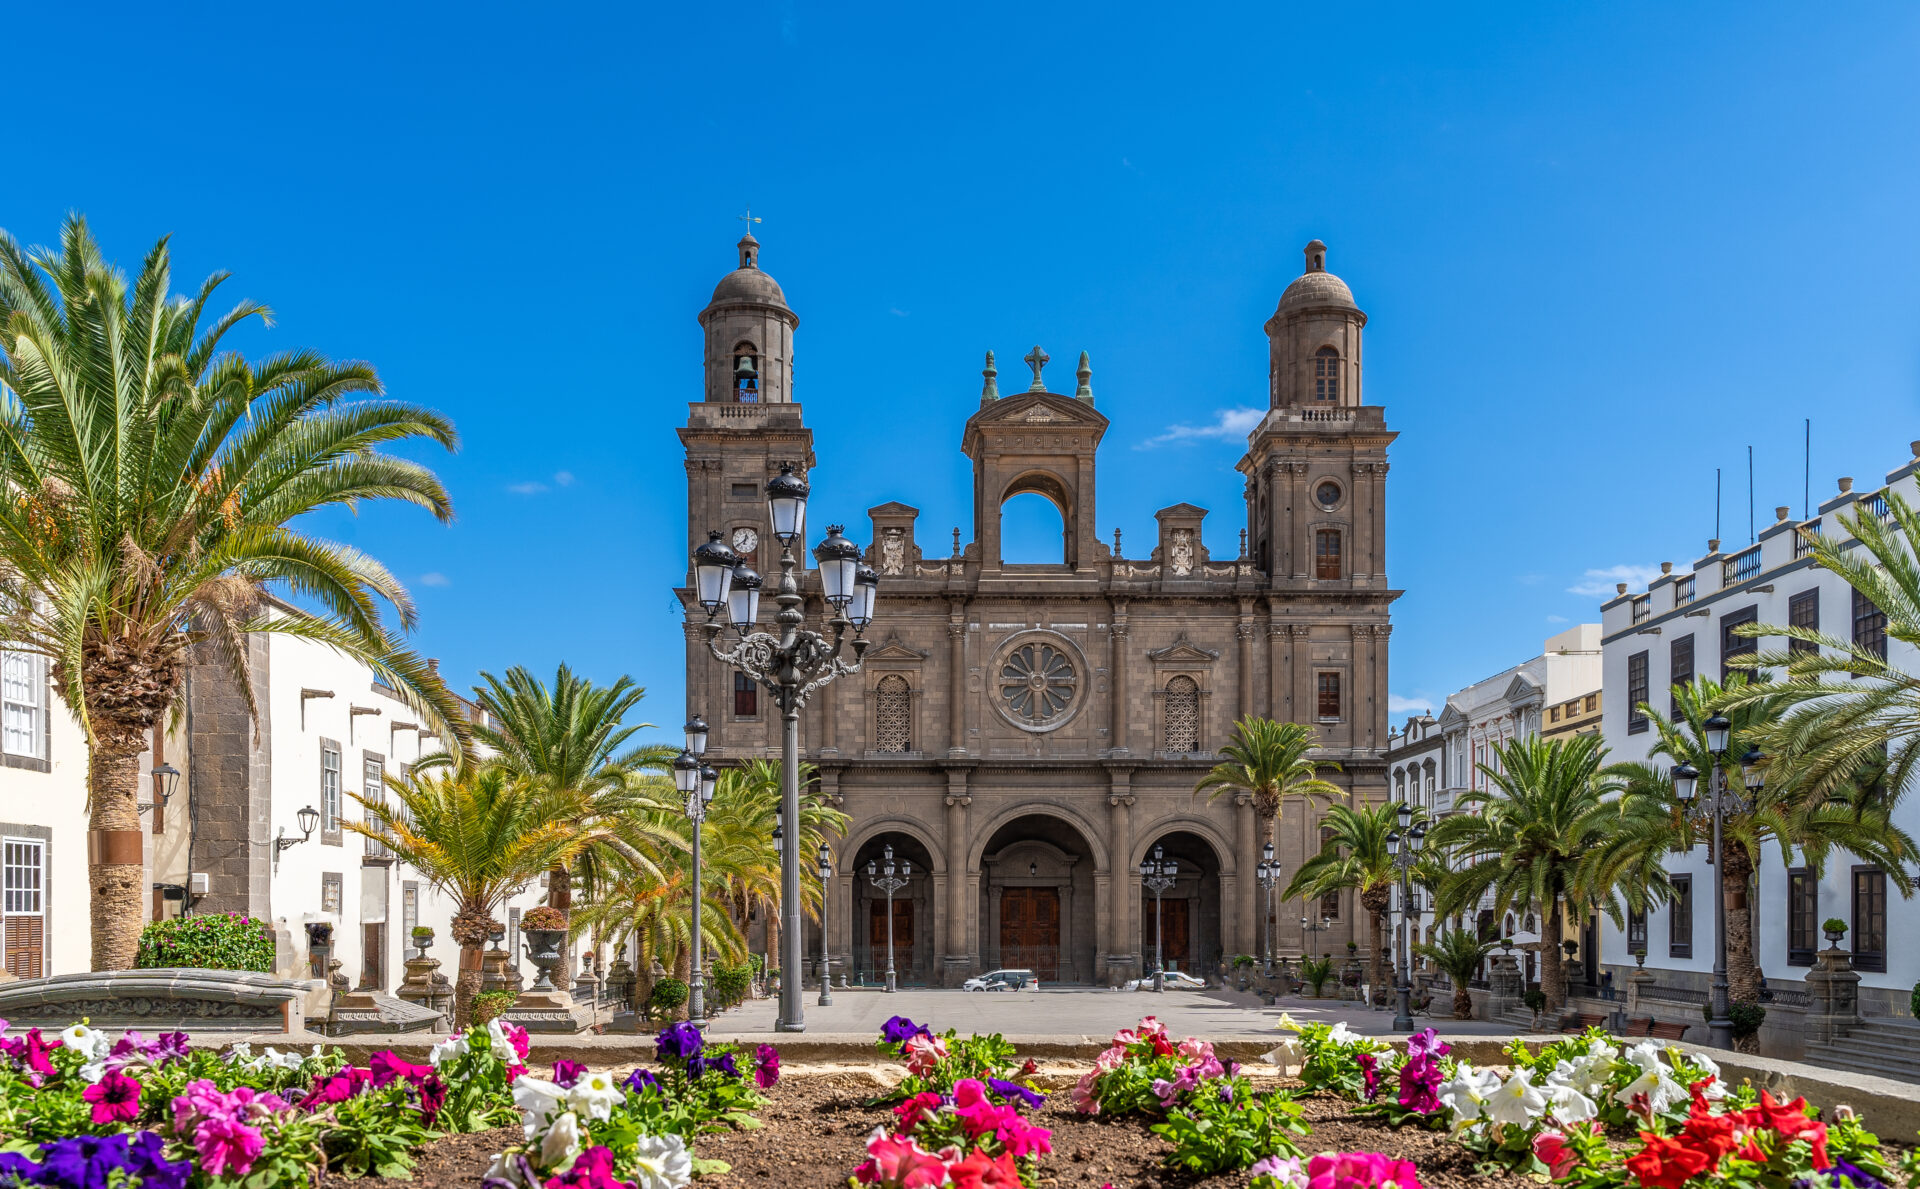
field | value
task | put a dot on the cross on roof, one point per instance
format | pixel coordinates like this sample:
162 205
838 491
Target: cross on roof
1037 359
748 219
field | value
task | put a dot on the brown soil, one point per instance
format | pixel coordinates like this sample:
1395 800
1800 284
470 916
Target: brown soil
815 1132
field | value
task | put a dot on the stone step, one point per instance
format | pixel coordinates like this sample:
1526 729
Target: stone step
1875 1049
1843 1054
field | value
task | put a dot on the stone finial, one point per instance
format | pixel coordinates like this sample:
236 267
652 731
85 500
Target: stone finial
1084 373
1666 567
1243 544
1619 588
1316 256
990 387
1846 484
1781 511
1116 543
956 540
1037 360
1713 544
1915 447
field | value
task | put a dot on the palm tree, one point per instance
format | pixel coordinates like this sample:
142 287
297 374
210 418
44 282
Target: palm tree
1355 856
476 833
1269 761
1842 706
1545 812
1790 810
150 479
567 738
1459 953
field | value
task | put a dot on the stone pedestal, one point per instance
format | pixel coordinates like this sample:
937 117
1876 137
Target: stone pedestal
550 1011
1637 985
422 985
493 972
1834 988
1504 984
620 981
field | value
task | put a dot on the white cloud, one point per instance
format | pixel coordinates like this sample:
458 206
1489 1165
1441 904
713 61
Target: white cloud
1399 704
433 578
563 478
1558 619
1599 584
897 312
1228 425
526 488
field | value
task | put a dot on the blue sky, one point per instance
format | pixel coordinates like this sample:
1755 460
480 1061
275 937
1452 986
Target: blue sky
1603 250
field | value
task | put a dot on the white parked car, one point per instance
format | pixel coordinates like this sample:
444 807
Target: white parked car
1177 980
1002 980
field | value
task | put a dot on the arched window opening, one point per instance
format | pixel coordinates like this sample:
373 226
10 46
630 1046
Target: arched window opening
746 374
1326 553
893 714
1183 715
1032 531
1326 374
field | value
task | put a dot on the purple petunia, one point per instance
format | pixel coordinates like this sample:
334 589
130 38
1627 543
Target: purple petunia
1009 1091
1842 1175
766 1067
682 1040
83 1162
566 1073
722 1064
147 1156
640 1081
899 1030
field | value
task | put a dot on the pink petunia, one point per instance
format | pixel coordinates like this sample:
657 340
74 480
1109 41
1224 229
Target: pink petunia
923 1052
1551 1147
115 1098
227 1145
899 1164
1360 1170
387 1068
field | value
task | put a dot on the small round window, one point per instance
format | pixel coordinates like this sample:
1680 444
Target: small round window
1327 493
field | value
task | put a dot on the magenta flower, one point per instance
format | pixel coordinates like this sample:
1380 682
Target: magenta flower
227 1145
766 1067
1370 1070
433 1097
115 1099
387 1068
566 1073
592 1169
1360 1170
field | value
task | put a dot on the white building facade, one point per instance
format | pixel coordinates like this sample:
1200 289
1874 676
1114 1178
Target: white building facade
326 729
1683 625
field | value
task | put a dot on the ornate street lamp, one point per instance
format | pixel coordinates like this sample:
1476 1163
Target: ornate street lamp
1267 875
695 781
309 819
791 663
1157 874
1326 922
889 883
1721 800
824 865
1403 862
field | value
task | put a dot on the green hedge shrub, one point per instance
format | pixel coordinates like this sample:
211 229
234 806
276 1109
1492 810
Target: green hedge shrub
729 985
210 941
668 995
492 1004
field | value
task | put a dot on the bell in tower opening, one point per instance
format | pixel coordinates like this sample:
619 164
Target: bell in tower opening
746 375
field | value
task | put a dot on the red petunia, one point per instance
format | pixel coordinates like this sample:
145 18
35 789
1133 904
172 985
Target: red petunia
1666 1163
1790 1120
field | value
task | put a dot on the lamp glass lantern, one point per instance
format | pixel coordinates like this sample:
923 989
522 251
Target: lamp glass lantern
1417 836
866 588
1404 812
167 781
1686 779
686 772
696 732
1717 729
309 819
787 504
1393 842
713 565
839 561
824 862
743 599
708 777
1751 769
1266 852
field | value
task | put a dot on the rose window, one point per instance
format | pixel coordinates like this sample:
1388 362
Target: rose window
1037 683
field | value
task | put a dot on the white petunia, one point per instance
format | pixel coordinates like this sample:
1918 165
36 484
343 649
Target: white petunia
1661 1091
662 1162
1517 1101
1466 1095
1286 1055
1287 1024
447 1050
1646 1055
1716 1088
594 1095
502 1047
562 1143
1569 1106
240 1050
89 1042
541 1100
504 1168
93 1071
275 1059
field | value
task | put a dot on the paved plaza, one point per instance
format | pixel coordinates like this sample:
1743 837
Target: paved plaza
1075 1011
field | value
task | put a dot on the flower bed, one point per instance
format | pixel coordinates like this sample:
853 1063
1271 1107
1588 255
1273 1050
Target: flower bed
1586 1112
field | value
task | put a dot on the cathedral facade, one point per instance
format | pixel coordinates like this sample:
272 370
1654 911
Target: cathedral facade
1025 735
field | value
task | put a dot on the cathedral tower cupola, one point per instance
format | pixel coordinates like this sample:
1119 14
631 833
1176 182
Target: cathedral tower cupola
1314 338
749 330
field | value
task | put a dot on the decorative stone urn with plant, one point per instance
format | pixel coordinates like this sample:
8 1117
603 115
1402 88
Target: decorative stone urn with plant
546 932
1835 929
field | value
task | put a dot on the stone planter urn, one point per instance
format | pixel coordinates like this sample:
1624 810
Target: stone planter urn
422 941
1834 936
543 950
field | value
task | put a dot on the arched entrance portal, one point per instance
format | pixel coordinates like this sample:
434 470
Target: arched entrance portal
913 952
1037 911
1187 925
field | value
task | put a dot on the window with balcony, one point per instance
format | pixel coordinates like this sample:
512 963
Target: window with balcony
1803 915
1869 627
1680 918
1679 672
1737 651
1803 611
1642 611
1326 553
1869 919
1741 567
1636 693
1683 591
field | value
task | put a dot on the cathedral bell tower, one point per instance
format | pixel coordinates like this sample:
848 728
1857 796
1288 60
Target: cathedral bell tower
740 432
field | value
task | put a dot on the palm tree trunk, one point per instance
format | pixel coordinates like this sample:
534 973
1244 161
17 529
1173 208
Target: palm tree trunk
560 896
114 847
1374 902
1553 983
466 986
1462 1002
683 970
1743 977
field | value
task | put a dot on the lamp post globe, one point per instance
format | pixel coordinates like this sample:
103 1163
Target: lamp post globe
309 819
713 565
823 864
696 733
1717 729
743 599
839 562
787 505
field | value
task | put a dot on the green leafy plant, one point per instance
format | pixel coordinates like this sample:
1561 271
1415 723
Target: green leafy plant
1835 925
1242 961
1535 999
1913 1004
668 995
422 931
729 985
1315 972
544 917
1331 1057
213 941
491 1005
1230 1127
1746 1017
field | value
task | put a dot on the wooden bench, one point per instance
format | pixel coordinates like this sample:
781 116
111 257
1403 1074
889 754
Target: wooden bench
1584 1021
1648 1026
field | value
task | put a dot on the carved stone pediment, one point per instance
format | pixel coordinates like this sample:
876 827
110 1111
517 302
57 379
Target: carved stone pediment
896 650
1038 408
1184 654
1522 689
1451 717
